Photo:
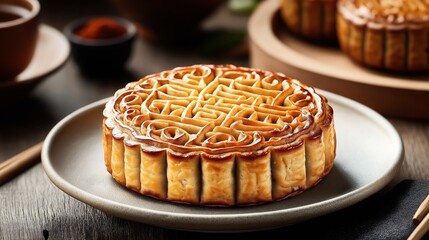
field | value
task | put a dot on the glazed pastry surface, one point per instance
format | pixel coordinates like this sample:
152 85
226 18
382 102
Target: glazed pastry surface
389 11
218 135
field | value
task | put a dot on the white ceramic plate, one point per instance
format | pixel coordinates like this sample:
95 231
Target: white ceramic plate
369 153
52 51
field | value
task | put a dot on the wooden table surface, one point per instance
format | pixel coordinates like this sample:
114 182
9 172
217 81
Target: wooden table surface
33 208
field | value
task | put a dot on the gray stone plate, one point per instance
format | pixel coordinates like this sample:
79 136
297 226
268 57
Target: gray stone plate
369 154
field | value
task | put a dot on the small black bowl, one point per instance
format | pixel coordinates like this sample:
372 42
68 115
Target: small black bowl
104 55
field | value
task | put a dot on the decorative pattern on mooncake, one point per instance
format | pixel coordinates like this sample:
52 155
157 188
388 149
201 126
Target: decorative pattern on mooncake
385 34
218 135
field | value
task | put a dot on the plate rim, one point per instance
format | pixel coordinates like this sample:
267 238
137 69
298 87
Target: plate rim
152 217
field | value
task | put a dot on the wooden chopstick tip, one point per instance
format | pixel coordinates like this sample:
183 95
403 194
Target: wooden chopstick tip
421 211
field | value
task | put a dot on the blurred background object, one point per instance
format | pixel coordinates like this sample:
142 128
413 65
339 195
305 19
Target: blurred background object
101 44
312 20
19 25
172 22
245 7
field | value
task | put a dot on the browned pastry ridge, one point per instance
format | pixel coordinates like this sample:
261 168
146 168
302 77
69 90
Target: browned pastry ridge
388 34
218 135
313 19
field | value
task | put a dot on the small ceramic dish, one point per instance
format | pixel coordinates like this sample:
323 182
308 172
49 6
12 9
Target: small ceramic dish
97 49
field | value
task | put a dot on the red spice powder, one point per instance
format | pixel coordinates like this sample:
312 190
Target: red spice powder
101 28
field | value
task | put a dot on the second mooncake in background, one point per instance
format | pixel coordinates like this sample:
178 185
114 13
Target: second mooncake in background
311 19
389 35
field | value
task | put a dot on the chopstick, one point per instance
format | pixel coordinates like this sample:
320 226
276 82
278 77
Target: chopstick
18 163
421 217
422 211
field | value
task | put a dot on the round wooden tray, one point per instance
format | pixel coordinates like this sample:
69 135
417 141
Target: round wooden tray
273 48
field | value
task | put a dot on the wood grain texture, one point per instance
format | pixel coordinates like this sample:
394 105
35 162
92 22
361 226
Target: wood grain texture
31 204
415 137
20 162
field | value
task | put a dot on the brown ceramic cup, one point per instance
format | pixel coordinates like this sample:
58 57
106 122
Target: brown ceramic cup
19 23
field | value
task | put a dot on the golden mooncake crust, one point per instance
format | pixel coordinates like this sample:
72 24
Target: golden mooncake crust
312 19
389 35
218 135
